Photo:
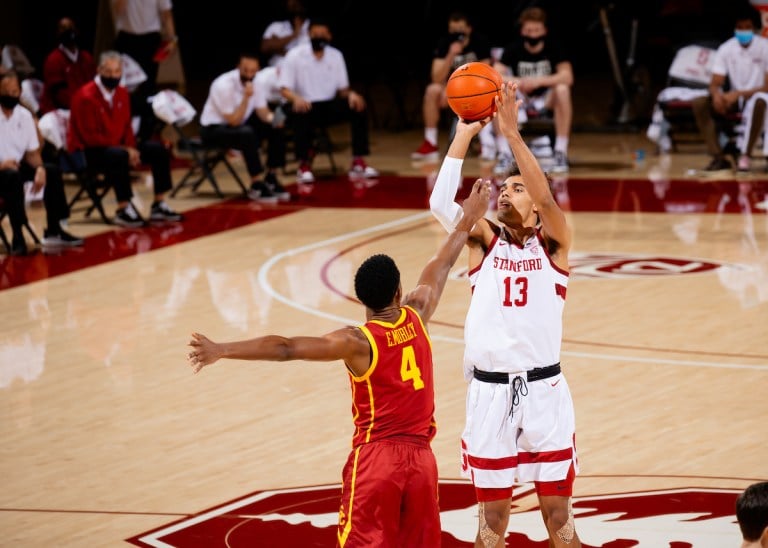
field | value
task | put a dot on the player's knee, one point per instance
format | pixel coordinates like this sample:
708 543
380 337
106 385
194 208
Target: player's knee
560 523
495 518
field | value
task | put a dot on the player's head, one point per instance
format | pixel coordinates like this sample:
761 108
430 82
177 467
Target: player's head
377 282
515 206
752 512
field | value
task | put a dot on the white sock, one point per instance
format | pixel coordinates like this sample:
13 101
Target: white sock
561 144
430 134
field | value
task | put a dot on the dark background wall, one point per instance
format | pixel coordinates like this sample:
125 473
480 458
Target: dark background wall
389 43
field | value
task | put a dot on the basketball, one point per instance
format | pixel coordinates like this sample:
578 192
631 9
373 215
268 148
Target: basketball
471 90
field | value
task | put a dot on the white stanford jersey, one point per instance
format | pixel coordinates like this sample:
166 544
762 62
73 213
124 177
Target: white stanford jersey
514 321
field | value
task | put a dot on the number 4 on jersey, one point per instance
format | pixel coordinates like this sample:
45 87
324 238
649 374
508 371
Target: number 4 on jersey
409 369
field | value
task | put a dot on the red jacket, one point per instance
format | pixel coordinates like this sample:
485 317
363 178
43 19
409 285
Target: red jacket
62 77
93 123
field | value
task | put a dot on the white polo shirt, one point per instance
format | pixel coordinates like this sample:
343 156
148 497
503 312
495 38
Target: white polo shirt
18 134
225 96
745 67
281 29
141 16
314 79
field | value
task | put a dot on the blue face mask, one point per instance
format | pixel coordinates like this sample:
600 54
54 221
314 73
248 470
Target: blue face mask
744 36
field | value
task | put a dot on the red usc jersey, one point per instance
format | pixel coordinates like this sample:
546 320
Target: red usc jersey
395 397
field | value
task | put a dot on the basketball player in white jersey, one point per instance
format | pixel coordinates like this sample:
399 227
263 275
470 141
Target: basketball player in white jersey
520 423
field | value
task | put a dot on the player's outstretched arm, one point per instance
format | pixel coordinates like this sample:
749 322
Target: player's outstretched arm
343 344
426 295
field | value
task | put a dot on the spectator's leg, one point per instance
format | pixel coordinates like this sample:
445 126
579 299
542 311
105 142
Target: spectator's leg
704 114
56 208
434 101
302 135
756 127
159 160
562 106
12 192
142 48
242 138
113 163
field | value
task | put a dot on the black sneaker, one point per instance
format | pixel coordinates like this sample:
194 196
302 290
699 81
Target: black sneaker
19 247
127 216
277 189
260 192
62 239
718 163
161 211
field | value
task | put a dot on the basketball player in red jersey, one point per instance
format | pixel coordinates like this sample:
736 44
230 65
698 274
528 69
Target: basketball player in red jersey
520 423
389 494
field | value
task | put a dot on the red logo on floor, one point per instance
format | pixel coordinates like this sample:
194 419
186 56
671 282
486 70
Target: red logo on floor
682 518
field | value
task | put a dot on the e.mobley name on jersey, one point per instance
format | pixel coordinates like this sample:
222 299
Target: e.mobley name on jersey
526 265
401 335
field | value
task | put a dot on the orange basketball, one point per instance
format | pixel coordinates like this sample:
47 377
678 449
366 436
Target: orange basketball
471 90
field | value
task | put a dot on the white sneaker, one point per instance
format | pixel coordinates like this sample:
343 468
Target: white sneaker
561 163
304 175
504 165
363 171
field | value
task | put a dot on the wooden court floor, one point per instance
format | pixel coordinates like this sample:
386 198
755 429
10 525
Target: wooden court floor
110 440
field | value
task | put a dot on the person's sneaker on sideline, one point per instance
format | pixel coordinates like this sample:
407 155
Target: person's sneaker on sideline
504 164
127 216
718 163
160 211
260 192
427 151
271 180
304 174
361 170
744 163
560 165
61 238
19 247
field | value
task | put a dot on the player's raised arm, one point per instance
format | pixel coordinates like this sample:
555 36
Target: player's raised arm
426 295
536 183
442 201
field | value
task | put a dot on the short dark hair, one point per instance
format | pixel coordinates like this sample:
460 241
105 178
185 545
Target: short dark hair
752 511
747 12
376 281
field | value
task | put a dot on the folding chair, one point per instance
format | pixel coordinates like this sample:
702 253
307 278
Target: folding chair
4 237
172 108
53 127
688 77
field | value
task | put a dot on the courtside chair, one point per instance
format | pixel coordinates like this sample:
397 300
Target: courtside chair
173 108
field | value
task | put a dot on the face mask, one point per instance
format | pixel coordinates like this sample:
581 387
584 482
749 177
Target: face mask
318 44
456 36
8 101
110 83
533 42
68 38
744 36
244 79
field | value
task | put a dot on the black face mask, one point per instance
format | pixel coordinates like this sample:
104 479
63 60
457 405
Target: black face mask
110 83
533 42
68 38
244 79
456 36
318 44
8 101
